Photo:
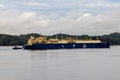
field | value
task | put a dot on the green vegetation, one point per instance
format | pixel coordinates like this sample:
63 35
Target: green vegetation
11 40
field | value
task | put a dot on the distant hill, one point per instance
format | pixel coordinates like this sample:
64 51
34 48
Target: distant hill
10 40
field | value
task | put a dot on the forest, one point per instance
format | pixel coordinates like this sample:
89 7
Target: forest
11 40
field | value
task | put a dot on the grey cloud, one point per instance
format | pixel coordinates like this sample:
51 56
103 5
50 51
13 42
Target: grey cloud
71 23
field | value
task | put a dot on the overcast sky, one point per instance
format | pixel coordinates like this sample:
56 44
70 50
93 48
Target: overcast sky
94 17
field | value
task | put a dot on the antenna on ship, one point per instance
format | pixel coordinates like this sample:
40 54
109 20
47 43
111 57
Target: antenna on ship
90 37
97 38
76 37
62 37
56 36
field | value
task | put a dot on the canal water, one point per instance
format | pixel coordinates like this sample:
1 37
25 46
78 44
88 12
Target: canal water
67 64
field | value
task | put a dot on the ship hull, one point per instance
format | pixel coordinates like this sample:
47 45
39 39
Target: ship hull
66 46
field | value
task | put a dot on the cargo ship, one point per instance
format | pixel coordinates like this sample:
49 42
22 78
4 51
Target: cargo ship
42 43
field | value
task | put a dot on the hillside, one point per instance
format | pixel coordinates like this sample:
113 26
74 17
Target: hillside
10 40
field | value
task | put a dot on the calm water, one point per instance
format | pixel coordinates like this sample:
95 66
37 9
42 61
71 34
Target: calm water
74 64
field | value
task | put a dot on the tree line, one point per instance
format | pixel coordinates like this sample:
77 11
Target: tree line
11 40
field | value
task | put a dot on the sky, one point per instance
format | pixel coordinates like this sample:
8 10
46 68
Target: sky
92 17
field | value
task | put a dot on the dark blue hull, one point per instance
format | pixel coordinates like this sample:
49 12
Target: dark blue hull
66 46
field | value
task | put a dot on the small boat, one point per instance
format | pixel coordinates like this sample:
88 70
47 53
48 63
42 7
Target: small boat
17 47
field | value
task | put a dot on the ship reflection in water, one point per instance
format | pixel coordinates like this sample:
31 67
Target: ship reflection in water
42 43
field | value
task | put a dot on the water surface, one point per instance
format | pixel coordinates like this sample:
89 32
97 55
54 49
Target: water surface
73 64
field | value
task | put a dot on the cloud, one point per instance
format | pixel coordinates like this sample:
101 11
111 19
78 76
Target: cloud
65 16
63 6
36 4
2 5
25 18
60 6
71 23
